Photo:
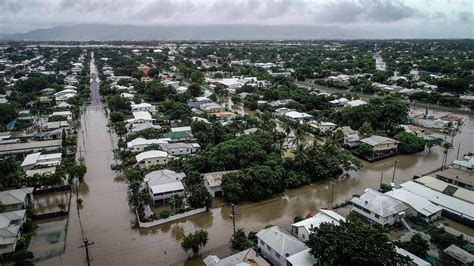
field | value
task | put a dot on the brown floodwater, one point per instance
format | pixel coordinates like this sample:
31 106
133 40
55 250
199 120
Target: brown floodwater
106 219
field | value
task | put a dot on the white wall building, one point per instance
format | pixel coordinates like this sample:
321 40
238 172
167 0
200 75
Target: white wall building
163 184
150 158
38 160
139 144
143 107
276 245
302 229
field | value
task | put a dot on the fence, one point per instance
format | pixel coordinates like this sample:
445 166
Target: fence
51 190
171 218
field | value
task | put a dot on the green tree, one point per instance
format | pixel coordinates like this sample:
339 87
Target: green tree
199 197
366 130
351 243
195 89
240 241
195 241
409 143
7 113
23 258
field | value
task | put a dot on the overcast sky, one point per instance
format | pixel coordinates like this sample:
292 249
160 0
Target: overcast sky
419 18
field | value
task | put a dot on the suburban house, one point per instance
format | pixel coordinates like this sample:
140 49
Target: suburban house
71 90
248 257
198 101
150 158
48 135
323 127
67 114
213 181
144 107
465 164
179 136
415 260
302 258
180 148
381 145
446 188
296 116
140 117
276 245
302 229
143 126
139 144
181 129
10 224
354 103
163 184
379 208
418 206
16 199
212 107
459 255
351 137
38 160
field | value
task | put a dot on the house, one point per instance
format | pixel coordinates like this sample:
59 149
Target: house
418 206
323 127
150 158
16 199
38 160
10 225
127 95
143 126
276 245
66 114
225 116
143 107
302 258
71 90
354 103
140 117
163 184
139 144
351 137
180 148
181 129
144 69
32 146
339 102
415 260
198 101
64 98
296 116
41 171
302 229
179 136
379 208
48 135
212 107
453 208
465 164
248 257
213 181
56 125
459 255
381 145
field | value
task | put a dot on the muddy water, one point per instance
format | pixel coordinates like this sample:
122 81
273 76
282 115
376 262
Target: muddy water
106 220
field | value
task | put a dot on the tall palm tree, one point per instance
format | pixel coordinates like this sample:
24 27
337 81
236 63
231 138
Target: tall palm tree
335 141
301 155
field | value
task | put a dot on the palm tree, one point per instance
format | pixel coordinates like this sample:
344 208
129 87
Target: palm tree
335 141
287 129
301 155
176 201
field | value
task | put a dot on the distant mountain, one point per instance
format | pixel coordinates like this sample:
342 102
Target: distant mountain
101 32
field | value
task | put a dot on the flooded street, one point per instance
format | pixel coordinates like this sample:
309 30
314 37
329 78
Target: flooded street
107 221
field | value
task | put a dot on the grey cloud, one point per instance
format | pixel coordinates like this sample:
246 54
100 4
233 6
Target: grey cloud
466 17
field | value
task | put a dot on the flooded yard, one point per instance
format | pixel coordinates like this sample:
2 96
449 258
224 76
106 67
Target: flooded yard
51 202
49 238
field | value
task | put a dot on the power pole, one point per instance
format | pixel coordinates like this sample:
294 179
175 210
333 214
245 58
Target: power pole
394 169
459 148
332 193
381 179
86 245
232 215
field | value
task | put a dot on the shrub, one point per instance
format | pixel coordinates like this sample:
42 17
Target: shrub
164 214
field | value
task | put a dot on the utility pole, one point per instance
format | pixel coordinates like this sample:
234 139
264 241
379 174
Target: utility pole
332 193
394 169
459 148
86 245
232 215
381 178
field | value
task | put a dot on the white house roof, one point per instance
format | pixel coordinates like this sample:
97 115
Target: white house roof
179 129
448 203
459 254
169 187
415 259
323 216
15 196
141 105
280 241
303 258
142 141
376 140
9 235
420 204
144 126
66 91
355 103
297 115
151 154
446 188
163 177
31 159
7 217
379 203
144 115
